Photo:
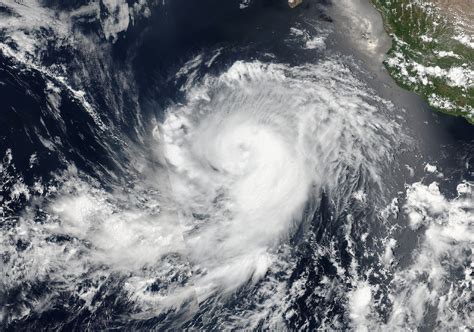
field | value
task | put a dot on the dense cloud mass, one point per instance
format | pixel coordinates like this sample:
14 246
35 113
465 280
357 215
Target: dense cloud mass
250 149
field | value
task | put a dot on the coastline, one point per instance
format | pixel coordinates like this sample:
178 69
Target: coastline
429 57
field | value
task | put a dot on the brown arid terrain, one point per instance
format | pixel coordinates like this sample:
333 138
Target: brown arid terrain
460 12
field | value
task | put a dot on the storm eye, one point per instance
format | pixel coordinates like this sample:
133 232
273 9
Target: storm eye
214 168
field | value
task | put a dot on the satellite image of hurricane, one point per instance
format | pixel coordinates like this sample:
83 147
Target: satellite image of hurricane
214 165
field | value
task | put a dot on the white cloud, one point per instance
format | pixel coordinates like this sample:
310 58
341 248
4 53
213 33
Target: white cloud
430 168
250 147
359 306
433 279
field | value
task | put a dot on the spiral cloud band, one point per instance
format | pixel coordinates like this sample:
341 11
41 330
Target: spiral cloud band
250 148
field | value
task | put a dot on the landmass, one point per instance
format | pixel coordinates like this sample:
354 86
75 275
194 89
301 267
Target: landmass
432 52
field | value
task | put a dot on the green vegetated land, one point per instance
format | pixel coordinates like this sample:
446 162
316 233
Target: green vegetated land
427 56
